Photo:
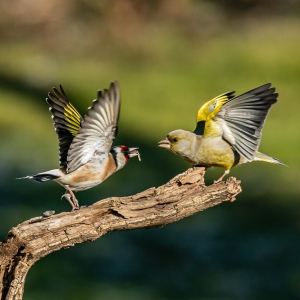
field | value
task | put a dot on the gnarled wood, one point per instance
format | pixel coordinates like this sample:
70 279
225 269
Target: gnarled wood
181 197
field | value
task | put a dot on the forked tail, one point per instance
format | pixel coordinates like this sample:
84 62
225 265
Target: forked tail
263 157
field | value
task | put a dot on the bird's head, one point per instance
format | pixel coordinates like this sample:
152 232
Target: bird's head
179 142
122 155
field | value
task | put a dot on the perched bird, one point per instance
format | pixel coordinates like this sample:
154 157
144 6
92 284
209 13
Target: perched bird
228 131
86 155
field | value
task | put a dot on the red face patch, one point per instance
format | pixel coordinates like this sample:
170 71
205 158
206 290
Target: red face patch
124 148
125 151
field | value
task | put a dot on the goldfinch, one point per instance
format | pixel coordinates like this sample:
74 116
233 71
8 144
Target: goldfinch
228 131
86 155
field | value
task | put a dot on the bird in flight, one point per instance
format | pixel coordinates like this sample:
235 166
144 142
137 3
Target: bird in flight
228 131
86 154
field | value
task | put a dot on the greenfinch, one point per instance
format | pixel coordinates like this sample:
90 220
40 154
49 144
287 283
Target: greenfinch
228 131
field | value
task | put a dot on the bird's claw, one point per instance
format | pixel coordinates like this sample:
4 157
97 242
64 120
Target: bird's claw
72 200
78 207
75 208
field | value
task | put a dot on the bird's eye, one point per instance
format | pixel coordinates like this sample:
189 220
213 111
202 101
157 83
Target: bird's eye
175 140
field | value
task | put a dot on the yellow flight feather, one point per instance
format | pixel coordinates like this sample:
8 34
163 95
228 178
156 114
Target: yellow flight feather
73 119
73 109
71 112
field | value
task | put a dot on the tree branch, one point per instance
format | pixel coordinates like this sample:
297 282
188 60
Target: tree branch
181 197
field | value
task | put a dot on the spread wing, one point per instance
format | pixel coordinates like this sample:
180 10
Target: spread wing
208 108
66 119
98 129
241 119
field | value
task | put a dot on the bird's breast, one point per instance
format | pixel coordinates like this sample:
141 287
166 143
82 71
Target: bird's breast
89 175
214 151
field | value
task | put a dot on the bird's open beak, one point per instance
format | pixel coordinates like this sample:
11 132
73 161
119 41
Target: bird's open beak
134 152
164 144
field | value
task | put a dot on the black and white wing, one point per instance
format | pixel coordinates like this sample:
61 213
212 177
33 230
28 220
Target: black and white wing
244 118
98 129
67 121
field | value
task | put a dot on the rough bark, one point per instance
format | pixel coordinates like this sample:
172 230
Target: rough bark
33 239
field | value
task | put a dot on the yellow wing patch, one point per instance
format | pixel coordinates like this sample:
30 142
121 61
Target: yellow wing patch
73 118
215 104
209 110
205 110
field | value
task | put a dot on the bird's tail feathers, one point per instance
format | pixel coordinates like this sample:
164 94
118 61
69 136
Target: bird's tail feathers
263 157
41 177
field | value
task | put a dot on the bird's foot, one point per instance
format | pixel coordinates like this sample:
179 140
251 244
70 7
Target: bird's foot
75 208
74 204
69 195
78 207
221 178
218 180
75 201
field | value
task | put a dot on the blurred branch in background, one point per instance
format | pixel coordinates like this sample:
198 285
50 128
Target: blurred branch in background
32 240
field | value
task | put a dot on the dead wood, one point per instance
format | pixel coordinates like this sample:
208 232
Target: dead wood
33 239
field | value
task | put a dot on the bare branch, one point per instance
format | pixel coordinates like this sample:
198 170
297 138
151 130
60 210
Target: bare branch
181 197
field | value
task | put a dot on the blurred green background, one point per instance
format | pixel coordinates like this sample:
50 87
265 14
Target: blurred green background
169 57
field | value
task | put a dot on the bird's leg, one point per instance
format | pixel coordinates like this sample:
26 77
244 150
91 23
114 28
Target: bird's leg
75 201
221 178
68 197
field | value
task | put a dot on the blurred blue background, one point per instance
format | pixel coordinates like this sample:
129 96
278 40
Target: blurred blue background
169 57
